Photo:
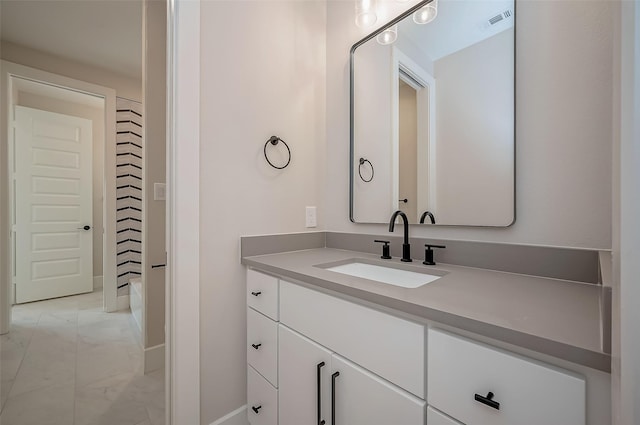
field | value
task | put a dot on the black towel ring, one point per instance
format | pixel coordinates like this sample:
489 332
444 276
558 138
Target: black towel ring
362 161
274 141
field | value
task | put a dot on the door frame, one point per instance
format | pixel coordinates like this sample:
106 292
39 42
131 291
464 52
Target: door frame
12 70
425 86
182 335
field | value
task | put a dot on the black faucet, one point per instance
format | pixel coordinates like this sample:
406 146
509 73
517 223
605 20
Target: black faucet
431 217
406 248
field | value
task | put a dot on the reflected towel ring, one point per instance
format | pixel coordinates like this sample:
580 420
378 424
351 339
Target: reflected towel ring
274 141
362 161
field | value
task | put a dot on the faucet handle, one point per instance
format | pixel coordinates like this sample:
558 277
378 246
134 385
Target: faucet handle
385 249
428 254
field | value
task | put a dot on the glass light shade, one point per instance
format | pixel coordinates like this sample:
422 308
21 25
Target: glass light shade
426 14
366 13
388 36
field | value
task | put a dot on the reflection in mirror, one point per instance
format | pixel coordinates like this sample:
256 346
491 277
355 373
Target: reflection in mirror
433 112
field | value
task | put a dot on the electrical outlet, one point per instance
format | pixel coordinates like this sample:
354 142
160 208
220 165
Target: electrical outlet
159 191
311 217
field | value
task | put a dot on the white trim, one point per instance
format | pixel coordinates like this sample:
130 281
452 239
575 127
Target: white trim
183 213
426 98
9 70
122 302
98 282
237 417
154 358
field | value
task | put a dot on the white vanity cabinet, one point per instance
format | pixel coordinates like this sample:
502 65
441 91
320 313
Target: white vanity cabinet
348 393
318 359
335 360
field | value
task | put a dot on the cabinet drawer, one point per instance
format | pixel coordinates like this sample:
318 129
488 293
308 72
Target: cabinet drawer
262 293
262 345
262 400
436 418
388 346
528 392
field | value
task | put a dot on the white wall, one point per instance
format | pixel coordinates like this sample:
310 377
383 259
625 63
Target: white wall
262 74
97 118
474 140
563 137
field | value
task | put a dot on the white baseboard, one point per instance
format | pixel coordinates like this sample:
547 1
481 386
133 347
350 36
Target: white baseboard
98 282
154 358
122 302
237 417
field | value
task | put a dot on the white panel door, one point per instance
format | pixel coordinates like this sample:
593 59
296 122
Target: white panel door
362 398
304 380
53 204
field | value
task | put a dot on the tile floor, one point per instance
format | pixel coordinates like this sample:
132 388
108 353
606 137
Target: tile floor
66 362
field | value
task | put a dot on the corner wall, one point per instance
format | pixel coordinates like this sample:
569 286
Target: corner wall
155 148
563 137
263 74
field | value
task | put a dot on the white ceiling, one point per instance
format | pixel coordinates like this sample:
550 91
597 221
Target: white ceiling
459 24
102 33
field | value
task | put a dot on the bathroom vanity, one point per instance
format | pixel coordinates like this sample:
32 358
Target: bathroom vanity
471 347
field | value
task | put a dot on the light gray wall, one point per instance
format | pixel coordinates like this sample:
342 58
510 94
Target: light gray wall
474 133
154 101
97 119
123 85
373 132
626 347
563 179
263 74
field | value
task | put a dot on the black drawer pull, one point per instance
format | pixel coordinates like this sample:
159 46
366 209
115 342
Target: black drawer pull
255 294
333 397
256 346
255 409
319 378
488 400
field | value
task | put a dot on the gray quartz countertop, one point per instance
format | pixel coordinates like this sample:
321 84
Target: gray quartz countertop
560 318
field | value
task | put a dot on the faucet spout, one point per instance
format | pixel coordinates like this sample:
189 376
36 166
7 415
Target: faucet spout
406 248
431 217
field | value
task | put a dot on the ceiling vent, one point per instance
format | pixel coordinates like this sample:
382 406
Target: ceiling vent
499 18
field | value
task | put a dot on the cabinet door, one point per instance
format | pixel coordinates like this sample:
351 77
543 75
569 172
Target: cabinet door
436 418
304 373
361 398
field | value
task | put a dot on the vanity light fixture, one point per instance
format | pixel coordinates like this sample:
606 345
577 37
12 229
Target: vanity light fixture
388 36
426 14
366 13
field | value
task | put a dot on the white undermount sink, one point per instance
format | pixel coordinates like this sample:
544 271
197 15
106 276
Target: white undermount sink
388 275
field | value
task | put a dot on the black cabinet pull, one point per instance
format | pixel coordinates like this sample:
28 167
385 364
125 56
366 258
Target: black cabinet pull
255 409
318 367
256 346
488 400
333 397
255 294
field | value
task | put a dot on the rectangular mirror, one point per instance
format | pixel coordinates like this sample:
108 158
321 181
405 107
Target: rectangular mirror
433 116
